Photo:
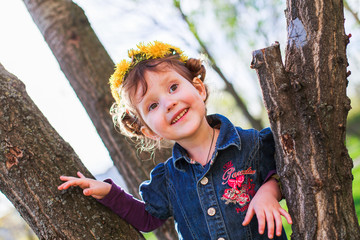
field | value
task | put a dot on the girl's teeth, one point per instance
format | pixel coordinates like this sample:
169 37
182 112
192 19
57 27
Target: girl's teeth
179 116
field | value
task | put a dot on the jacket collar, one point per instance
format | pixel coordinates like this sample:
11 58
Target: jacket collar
228 136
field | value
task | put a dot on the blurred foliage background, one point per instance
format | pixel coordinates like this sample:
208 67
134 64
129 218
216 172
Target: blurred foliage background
224 33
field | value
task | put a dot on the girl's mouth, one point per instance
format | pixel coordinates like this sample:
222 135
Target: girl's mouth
179 116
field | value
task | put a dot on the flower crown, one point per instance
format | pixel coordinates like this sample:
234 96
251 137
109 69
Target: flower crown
152 50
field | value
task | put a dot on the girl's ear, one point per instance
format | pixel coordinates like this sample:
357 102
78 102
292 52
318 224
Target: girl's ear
149 133
200 86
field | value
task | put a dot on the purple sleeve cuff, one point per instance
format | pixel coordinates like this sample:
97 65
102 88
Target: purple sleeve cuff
272 172
130 209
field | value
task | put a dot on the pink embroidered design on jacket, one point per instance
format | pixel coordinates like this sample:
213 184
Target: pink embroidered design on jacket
239 192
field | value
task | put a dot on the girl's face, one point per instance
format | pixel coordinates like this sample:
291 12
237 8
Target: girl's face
173 108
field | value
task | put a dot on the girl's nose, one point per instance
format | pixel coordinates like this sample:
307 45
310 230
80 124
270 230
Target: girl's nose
170 105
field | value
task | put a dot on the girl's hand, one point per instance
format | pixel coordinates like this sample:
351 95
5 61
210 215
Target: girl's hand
265 205
94 188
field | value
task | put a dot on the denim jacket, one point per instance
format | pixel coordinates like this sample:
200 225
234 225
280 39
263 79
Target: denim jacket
210 202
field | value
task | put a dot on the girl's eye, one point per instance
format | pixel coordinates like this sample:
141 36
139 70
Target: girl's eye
173 87
152 106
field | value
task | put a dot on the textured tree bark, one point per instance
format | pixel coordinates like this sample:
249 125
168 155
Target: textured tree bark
32 157
307 107
87 66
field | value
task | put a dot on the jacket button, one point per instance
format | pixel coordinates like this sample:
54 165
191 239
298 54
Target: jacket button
211 211
204 181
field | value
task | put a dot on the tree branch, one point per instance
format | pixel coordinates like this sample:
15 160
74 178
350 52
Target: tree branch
32 157
273 80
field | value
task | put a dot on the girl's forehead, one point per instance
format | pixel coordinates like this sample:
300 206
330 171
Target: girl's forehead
153 81
150 79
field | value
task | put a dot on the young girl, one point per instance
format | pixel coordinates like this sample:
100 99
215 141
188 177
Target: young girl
219 175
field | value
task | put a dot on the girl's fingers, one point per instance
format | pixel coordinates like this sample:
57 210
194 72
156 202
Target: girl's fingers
249 215
64 178
67 178
80 175
76 182
94 192
261 221
278 223
286 215
270 225
61 187
65 185
90 187
88 192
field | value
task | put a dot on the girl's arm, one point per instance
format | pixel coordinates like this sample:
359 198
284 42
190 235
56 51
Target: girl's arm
123 204
265 205
130 209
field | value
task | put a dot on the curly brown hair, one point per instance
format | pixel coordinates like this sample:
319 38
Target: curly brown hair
125 114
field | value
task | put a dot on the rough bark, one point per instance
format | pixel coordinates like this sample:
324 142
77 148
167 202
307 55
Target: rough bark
87 66
307 107
32 157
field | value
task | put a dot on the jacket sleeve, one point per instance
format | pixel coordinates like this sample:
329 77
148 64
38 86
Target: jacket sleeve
155 193
267 154
130 209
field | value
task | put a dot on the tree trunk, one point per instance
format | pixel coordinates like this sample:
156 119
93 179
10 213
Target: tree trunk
307 107
32 157
87 66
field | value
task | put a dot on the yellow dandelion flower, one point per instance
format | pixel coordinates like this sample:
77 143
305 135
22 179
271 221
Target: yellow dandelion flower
183 58
115 95
157 50
122 66
141 48
133 52
117 78
152 50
